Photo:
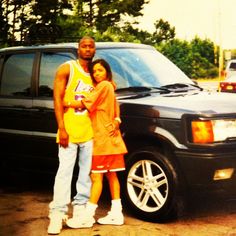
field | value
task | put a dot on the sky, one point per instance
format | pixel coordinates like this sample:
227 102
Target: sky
207 19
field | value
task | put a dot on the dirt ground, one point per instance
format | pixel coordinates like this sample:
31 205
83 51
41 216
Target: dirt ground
24 213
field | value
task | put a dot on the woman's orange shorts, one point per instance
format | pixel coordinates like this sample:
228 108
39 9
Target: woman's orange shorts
105 163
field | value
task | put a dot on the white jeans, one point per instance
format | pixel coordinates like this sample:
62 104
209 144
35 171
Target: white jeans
62 185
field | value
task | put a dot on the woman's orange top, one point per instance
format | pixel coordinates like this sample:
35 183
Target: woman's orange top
103 108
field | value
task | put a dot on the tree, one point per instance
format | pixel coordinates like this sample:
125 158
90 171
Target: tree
72 28
4 27
44 27
12 14
204 47
46 21
190 58
102 14
47 11
178 52
163 32
140 35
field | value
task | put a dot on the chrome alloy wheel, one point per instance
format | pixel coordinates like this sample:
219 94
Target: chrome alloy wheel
147 185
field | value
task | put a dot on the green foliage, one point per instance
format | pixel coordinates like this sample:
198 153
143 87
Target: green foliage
191 57
14 10
102 14
43 21
47 11
116 34
163 32
72 28
3 25
233 53
26 21
204 47
139 35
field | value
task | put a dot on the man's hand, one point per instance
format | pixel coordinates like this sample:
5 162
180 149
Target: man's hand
63 138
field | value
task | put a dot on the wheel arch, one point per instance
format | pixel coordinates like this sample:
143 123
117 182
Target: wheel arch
159 142
139 144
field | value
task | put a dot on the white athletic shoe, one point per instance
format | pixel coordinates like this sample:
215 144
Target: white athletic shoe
85 219
80 223
112 218
56 223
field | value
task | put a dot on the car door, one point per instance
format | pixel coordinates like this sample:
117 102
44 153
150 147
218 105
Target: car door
15 104
43 117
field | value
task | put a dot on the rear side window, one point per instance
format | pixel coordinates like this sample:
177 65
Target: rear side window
232 66
48 66
17 73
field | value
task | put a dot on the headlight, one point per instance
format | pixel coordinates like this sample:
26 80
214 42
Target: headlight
209 131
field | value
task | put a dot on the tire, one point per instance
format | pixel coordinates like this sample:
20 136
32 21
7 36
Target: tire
150 186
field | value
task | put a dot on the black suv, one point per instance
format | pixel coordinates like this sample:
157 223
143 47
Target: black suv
179 137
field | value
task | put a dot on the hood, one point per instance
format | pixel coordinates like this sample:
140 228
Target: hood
175 105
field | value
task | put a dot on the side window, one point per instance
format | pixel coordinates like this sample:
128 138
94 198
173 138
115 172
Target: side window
48 66
232 66
17 73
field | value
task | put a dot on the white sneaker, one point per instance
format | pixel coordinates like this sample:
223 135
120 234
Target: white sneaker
79 223
78 210
56 223
112 218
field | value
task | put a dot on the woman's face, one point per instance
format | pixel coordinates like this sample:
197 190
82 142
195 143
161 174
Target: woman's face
99 73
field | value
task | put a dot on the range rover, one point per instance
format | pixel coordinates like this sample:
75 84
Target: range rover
179 137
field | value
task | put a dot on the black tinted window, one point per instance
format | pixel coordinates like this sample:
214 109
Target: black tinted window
17 73
232 66
48 66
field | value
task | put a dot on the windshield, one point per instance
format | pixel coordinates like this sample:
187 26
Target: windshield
135 67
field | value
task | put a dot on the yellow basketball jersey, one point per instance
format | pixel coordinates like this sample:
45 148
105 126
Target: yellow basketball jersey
77 122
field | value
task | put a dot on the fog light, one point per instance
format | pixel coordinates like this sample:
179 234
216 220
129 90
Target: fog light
223 174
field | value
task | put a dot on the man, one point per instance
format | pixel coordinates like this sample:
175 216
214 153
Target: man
74 136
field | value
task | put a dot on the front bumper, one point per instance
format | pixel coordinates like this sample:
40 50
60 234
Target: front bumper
199 169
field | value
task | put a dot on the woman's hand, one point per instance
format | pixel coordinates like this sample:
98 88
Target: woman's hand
115 128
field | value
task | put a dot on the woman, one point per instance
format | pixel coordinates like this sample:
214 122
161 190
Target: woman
109 147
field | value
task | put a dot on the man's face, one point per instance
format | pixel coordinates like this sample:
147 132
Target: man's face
86 49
